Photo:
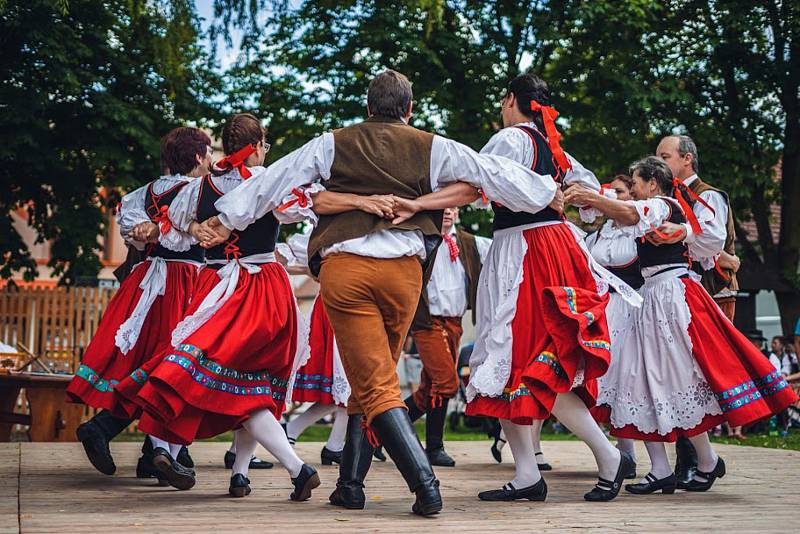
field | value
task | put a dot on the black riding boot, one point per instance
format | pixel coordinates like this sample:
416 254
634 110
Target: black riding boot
395 432
414 412
434 434
686 462
356 459
95 435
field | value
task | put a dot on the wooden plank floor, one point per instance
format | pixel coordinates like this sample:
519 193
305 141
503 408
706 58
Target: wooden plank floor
50 487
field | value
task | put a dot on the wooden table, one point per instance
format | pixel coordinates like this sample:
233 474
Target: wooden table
51 417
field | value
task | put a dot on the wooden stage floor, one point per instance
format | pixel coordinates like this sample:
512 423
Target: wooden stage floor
50 487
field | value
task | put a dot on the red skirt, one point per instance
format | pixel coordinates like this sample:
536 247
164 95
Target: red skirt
314 381
235 364
103 365
559 324
745 384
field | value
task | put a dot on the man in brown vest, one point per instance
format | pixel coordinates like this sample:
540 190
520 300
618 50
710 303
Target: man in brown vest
717 237
371 271
451 291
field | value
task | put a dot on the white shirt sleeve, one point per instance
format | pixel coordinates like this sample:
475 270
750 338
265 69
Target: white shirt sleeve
500 178
652 213
263 192
299 208
295 250
706 247
581 175
182 211
132 212
483 244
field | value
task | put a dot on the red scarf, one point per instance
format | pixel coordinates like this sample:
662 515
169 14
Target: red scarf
687 210
236 161
549 115
452 246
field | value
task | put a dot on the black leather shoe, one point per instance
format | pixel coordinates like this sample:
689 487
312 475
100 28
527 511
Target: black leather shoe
703 481
685 462
240 486
606 490
184 459
178 476
434 436
378 454
95 444
330 457
255 462
145 467
497 454
630 475
537 492
394 430
353 468
544 466
307 480
666 485
440 458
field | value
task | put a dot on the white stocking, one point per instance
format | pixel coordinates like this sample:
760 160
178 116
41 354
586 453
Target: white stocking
659 462
706 457
296 426
339 430
627 445
536 437
572 412
263 426
519 439
245 445
160 443
174 449
502 441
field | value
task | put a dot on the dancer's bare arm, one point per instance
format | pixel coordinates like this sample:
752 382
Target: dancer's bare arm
457 194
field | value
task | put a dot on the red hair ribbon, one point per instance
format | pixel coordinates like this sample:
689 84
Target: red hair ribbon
162 219
549 115
372 438
452 246
299 198
687 210
236 161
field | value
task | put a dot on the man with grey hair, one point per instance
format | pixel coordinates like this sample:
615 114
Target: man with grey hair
371 271
716 239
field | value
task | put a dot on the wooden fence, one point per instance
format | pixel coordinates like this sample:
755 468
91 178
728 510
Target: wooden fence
53 323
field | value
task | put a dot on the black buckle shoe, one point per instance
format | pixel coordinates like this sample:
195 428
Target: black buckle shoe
606 490
667 485
330 457
307 480
178 476
536 492
544 466
95 444
255 462
709 478
440 458
497 454
240 486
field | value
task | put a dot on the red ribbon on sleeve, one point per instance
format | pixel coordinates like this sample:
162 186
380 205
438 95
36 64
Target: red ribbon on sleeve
236 161
549 115
300 198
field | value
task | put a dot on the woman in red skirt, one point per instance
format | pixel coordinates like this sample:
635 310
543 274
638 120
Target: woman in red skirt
139 320
683 368
321 380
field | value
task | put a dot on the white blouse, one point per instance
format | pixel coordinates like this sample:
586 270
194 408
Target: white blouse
447 287
612 247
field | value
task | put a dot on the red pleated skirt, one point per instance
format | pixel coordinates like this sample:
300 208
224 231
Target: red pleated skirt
103 365
559 325
314 381
237 363
746 385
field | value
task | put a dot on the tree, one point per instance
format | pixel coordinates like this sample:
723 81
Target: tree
87 89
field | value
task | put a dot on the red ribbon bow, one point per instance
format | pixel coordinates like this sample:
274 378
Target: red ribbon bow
452 246
299 198
549 115
236 161
162 219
